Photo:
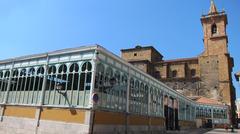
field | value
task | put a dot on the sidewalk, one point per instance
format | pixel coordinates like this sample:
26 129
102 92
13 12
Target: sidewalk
205 131
223 131
190 131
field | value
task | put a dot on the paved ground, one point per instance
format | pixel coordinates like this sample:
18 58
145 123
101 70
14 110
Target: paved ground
205 131
191 131
223 131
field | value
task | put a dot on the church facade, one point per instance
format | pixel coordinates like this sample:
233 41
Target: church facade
207 75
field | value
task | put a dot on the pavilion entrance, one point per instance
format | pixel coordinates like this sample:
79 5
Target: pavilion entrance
171 113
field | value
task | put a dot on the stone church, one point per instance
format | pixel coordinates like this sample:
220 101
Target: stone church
207 75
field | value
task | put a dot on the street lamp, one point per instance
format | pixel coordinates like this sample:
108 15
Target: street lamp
237 76
60 88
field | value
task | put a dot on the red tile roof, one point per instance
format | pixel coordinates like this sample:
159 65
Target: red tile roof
204 100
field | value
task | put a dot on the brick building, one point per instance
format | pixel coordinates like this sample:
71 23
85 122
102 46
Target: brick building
207 75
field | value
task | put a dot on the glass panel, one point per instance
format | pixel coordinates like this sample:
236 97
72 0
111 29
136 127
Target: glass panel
3 84
25 86
131 97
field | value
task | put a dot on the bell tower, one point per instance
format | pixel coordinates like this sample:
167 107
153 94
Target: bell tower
215 62
214 28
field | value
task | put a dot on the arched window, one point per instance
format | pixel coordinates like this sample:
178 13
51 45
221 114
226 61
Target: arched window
51 81
108 76
87 66
174 73
197 112
131 83
145 100
214 28
136 89
39 80
218 113
193 72
137 92
86 76
1 80
201 112
214 113
124 85
40 71
74 67
62 76
73 77
141 95
52 70
13 87
131 95
4 83
15 73
146 94
30 81
62 69
205 112
152 101
209 113
22 81
1 74
225 114
23 72
7 73
14 82
3 86
31 71
124 79
67 85
117 77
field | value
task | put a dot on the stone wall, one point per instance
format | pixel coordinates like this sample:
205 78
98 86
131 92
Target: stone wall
19 125
138 54
209 77
32 120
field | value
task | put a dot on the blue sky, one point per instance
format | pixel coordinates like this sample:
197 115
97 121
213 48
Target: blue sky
171 26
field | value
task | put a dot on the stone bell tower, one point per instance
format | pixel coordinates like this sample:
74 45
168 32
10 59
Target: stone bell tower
214 28
215 62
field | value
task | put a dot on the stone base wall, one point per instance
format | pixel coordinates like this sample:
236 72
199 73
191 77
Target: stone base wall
33 120
17 125
120 123
132 129
187 124
220 125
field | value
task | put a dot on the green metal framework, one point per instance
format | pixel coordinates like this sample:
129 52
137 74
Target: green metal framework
69 78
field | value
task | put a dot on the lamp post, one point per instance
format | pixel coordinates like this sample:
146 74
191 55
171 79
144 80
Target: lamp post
60 88
237 76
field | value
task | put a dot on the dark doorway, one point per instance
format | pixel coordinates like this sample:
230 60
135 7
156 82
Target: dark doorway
166 116
208 123
171 118
176 119
171 121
